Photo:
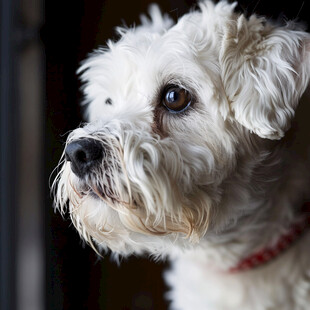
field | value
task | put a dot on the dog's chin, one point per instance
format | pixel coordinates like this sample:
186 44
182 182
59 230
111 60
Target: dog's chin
100 215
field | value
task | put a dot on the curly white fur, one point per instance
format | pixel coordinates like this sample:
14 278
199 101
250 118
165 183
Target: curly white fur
208 186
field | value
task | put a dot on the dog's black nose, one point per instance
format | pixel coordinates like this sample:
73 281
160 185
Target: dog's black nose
84 154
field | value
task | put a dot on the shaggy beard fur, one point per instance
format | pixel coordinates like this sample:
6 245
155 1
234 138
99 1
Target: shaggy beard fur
211 184
153 184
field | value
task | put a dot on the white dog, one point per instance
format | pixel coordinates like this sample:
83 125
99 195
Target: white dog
187 155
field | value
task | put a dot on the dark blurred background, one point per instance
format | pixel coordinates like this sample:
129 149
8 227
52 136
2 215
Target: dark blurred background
44 265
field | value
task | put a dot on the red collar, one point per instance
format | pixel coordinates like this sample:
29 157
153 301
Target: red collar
285 241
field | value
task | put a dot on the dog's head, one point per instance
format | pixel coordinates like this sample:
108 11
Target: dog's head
179 117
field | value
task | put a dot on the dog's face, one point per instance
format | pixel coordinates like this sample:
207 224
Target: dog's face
179 115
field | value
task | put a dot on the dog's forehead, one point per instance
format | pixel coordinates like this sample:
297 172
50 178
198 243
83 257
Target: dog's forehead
131 73
154 53
154 58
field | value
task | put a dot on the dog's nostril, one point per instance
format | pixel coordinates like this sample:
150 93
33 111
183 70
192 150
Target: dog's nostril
83 155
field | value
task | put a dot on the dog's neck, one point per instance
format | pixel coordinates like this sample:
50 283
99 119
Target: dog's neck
287 209
267 209
285 241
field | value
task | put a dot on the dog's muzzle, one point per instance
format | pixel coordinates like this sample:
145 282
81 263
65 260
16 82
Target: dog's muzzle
84 154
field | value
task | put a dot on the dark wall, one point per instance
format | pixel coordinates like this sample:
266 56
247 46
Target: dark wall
76 278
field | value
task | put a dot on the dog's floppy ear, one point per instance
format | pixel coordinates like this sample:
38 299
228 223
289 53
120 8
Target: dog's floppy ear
265 70
158 22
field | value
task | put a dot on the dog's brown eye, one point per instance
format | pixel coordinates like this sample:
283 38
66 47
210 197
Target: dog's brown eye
176 99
